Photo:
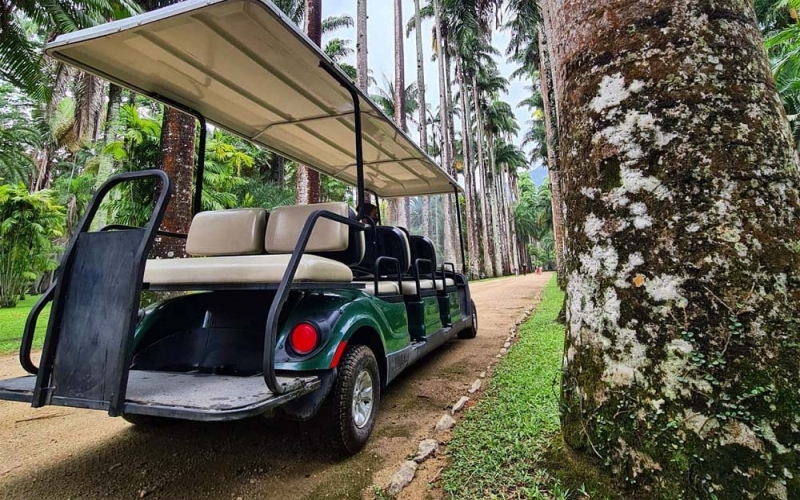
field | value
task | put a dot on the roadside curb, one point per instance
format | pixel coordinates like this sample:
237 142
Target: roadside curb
442 430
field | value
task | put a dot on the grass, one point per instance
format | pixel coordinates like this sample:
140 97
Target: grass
12 323
509 446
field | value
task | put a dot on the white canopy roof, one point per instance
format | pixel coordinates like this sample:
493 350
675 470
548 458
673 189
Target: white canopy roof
245 67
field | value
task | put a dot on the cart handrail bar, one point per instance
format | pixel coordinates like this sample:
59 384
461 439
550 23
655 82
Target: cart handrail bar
271 334
417 274
389 260
30 330
122 227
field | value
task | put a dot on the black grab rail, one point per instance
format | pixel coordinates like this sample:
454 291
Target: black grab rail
30 330
271 334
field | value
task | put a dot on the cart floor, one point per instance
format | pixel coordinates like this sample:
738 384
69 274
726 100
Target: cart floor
191 396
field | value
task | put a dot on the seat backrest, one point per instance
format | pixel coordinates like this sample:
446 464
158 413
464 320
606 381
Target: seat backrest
422 248
329 239
227 232
391 242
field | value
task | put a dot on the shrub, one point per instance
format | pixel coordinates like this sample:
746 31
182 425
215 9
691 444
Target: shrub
29 222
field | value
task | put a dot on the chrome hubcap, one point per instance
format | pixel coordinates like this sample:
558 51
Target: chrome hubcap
362 399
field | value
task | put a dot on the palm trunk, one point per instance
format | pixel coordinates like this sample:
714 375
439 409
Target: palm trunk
177 161
497 237
472 233
398 206
488 259
552 154
423 130
682 189
308 184
361 46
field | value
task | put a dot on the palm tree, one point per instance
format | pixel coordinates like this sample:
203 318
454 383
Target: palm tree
384 97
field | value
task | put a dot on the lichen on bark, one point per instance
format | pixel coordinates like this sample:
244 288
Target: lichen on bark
681 186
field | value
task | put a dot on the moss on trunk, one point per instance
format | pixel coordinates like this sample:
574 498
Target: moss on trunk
682 225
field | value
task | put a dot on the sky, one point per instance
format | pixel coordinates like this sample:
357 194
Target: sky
380 43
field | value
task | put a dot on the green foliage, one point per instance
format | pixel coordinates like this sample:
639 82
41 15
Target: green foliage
18 137
534 217
28 225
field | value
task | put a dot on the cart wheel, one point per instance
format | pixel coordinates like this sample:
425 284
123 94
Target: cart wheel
355 398
470 333
144 421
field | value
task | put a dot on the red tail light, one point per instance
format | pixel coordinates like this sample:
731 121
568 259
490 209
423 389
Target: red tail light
304 338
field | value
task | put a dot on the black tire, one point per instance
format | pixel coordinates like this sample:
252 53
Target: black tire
352 430
145 421
471 333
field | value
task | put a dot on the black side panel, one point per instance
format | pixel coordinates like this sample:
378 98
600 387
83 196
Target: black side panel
95 322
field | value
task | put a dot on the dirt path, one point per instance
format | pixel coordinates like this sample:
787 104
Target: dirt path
68 453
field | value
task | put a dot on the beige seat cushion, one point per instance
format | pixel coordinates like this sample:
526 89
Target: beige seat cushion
449 283
242 269
384 288
410 287
227 232
286 223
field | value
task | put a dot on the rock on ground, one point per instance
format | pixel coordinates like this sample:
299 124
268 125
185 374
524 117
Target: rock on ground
402 478
427 448
445 423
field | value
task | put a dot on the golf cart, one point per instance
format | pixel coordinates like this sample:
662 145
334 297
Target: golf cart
302 310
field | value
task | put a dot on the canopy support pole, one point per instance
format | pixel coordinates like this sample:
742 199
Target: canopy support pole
348 86
197 203
460 233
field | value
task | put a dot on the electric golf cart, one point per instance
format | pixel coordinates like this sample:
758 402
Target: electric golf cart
302 310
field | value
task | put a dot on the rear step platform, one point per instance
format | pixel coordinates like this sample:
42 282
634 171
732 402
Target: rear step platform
188 396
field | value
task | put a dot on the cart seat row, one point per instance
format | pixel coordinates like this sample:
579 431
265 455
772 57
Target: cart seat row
248 246
228 247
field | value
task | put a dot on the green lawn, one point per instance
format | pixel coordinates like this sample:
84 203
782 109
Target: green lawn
12 322
508 445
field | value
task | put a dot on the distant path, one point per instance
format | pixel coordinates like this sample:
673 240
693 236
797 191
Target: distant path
68 453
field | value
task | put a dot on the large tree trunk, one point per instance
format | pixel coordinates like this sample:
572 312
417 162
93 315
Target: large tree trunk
545 73
177 161
488 259
421 106
680 180
445 117
308 187
496 238
398 212
473 266
361 46
452 248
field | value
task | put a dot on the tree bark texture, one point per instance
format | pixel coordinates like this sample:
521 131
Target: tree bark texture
485 218
422 108
398 212
681 367
545 79
177 161
361 46
473 266
308 184
452 247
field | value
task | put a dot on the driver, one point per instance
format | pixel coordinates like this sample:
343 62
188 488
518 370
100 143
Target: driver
368 212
